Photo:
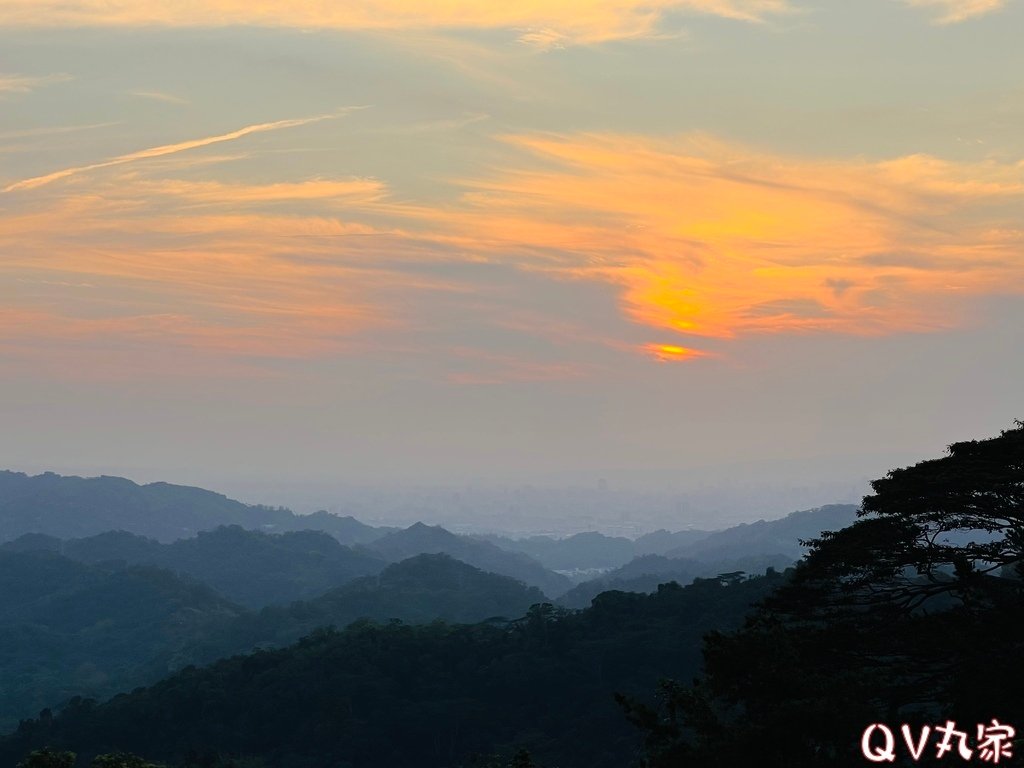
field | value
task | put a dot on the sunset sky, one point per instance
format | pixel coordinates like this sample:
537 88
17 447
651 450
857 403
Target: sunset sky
393 241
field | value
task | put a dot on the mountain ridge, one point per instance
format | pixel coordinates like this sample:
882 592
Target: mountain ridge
69 506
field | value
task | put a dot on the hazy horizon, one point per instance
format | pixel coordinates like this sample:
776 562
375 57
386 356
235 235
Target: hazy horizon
631 503
524 508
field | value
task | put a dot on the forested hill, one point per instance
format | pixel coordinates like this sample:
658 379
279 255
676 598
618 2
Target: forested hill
422 589
68 628
911 614
259 569
644 574
419 538
429 696
74 507
768 537
252 568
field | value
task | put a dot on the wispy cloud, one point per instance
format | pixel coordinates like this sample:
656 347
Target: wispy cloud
569 21
27 83
236 195
167 98
954 11
27 133
166 149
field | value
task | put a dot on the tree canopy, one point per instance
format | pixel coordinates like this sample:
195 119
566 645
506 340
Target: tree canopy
910 615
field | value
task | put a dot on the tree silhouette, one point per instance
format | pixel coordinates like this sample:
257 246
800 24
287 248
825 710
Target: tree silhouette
905 616
933 530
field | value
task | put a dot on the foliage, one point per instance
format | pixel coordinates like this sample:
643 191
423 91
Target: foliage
430 695
46 758
644 574
120 760
69 628
421 589
520 759
901 617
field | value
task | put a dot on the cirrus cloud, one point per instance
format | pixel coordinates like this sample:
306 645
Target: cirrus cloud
160 151
27 83
953 11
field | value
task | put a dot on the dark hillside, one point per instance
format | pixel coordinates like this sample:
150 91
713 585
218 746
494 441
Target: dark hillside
427 696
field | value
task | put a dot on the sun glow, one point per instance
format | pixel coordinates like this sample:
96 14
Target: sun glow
671 353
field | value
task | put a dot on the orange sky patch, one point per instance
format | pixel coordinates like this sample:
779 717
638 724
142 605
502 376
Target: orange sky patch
953 11
712 239
672 353
700 237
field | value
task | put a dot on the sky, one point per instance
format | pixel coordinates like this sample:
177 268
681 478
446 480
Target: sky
650 244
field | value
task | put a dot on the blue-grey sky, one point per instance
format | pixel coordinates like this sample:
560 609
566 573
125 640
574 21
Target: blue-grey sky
396 242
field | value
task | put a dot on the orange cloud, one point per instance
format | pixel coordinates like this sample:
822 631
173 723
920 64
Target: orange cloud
673 353
953 11
141 264
218 193
541 21
712 239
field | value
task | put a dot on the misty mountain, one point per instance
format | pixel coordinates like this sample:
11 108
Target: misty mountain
74 507
661 541
420 589
70 507
426 539
577 552
33 542
750 548
772 537
344 528
593 550
248 567
645 574
652 565
68 628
